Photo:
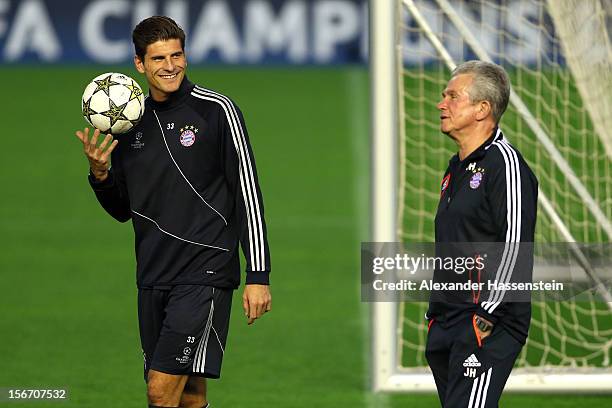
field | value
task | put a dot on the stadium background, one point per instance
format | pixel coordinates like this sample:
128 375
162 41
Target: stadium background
69 301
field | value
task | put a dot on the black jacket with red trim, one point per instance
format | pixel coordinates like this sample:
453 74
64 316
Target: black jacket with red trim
488 202
186 177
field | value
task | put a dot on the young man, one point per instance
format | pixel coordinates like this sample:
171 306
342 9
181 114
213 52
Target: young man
185 176
488 201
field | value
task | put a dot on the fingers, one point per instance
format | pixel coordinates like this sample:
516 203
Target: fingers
108 138
262 308
109 150
250 308
86 134
82 135
253 313
92 150
258 304
245 304
98 156
256 300
94 141
95 135
268 306
103 154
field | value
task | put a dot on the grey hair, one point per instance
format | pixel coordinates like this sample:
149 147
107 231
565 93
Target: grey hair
490 83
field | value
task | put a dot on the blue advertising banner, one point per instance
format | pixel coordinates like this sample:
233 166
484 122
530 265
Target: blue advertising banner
318 32
234 32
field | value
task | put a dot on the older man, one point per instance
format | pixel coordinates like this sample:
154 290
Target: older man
488 197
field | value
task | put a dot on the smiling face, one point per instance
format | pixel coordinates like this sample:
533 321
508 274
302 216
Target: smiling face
458 115
164 66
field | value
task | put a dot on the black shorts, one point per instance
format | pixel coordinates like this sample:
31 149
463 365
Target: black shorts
469 373
183 329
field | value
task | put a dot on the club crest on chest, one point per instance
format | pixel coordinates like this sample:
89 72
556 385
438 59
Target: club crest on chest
477 175
188 135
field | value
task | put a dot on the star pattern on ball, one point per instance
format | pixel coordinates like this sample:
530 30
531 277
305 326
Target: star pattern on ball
87 111
115 113
105 84
135 90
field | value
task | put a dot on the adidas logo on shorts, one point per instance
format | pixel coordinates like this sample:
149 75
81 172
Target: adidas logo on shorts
471 361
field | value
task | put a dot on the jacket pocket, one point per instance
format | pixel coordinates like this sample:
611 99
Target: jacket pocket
476 332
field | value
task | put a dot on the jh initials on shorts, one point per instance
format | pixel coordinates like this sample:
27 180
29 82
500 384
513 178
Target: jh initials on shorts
470 372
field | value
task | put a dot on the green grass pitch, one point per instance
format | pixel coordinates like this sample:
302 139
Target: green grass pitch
69 299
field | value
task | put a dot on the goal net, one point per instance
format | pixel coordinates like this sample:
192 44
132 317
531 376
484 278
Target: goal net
560 63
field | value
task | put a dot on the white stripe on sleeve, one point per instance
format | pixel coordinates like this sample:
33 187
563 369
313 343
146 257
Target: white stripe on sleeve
247 178
513 220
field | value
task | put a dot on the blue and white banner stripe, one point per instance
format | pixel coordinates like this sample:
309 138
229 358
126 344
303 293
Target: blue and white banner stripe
247 177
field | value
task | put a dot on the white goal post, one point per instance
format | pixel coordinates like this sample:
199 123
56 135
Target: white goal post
576 207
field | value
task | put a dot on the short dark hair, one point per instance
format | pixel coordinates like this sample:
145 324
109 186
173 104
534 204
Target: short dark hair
153 29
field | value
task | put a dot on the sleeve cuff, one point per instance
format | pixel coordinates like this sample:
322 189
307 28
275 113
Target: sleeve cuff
109 182
486 315
258 278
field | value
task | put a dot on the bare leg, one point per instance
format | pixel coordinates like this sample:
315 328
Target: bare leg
165 390
194 393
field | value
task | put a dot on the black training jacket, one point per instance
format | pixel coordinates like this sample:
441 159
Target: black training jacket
489 197
185 176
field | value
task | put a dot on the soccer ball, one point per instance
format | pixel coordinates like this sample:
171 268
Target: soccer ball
113 103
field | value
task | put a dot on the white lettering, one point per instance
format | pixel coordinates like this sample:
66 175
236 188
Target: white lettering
377 266
530 42
216 29
389 263
178 10
91 31
32 30
470 372
416 48
175 9
334 22
415 263
401 285
473 15
288 30
377 284
142 10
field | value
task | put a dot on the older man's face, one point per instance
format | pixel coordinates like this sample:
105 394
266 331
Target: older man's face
457 113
